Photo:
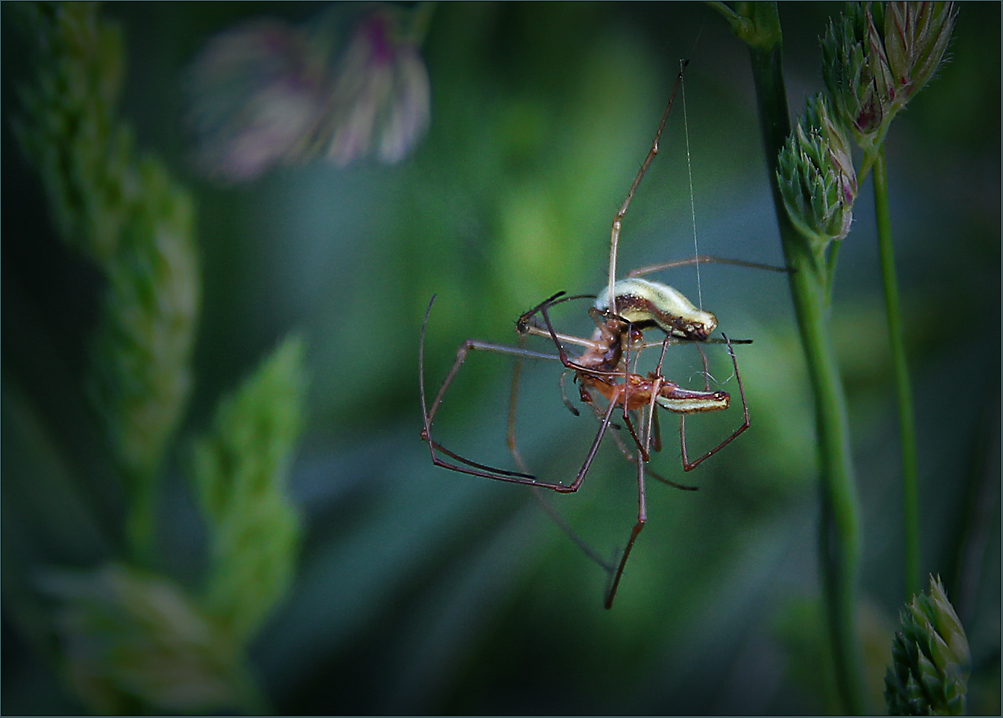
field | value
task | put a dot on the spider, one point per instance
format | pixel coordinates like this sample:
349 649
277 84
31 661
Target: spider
603 369
622 312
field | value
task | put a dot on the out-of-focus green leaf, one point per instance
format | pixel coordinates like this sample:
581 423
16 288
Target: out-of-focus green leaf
240 472
133 639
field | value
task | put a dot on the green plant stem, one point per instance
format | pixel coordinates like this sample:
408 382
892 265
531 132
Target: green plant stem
252 701
839 529
140 526
907 426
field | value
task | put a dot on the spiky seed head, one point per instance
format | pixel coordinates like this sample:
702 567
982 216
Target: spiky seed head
817 179
931 661
875 58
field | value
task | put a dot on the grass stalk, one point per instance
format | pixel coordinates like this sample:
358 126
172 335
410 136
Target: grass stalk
141 520
839 522
907 425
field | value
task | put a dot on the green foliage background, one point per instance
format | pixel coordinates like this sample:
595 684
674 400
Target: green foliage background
422 590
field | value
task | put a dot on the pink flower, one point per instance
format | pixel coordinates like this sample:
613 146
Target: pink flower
266 92
380 94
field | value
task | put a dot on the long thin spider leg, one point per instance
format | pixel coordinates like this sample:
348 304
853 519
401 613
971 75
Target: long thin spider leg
661 356
513 401
532 330
426 431
655 425
599 415
712 340
466 466
637 441
564 396
668 482
618 219
644 447
657 441
706 368
537 491
490 472
461 356
652 407
548 302
626 393
642 506
479 469
592 451
563 354
687 464
552 301
642 518
526 324
704 259
706 384
578 540
648 470
653 419
641 448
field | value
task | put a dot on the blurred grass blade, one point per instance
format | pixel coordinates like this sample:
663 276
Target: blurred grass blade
239 471
133 640
134 222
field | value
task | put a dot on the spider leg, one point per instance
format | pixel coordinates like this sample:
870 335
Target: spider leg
637 441
642 517
657 440
706 368
618 219
690 465
466 466
592 451
517 456
648 470
513 401
524 325
703 259
564 396
626 399
578 540
472 467
656 446
642 503
711 340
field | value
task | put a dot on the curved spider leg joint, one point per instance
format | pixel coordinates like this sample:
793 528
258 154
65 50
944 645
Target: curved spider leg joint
705 259
522 323
690 465
564 396
642 518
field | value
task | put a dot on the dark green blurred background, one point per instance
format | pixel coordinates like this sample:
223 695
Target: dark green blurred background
423 590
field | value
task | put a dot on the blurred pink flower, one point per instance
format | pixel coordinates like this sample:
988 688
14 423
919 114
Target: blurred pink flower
266 92
380 88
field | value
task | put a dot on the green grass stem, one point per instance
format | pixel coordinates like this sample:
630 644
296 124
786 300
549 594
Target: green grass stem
907 425
141 520
840 523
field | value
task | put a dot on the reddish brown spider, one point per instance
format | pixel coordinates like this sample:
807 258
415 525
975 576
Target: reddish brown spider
603 369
